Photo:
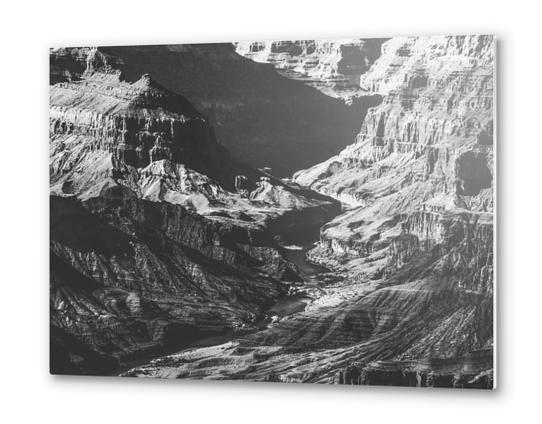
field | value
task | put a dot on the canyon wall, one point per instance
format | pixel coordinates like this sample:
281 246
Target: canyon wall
427 147
332 66
160 235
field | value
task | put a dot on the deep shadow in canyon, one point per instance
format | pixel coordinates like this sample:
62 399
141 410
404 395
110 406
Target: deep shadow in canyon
263 118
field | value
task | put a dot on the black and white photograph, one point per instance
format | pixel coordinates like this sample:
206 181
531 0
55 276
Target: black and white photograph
307 211
270 212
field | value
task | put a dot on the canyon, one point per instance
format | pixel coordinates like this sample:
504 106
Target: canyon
154 241
182 248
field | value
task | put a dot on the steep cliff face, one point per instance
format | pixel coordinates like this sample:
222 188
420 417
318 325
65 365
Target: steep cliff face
334 67
260 116
154 243
160 237
428 146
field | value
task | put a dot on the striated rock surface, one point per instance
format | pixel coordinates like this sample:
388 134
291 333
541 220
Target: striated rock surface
408 299
332 66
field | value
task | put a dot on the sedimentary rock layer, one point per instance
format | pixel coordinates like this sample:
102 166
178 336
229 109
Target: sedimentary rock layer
334 67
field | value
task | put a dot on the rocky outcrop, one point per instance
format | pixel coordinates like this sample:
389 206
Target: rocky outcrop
138 123
74 63
334 67
468 371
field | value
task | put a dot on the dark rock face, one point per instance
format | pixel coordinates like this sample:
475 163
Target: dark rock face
261 117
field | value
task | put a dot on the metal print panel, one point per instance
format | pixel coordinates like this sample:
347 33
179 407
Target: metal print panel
316 211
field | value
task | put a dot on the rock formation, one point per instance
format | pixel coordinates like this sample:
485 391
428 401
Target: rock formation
150 247
333 67
427 149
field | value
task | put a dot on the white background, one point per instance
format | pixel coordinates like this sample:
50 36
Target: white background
30 394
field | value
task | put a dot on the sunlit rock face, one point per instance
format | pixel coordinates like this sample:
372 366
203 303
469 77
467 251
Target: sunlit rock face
104 119
332 66
427 147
